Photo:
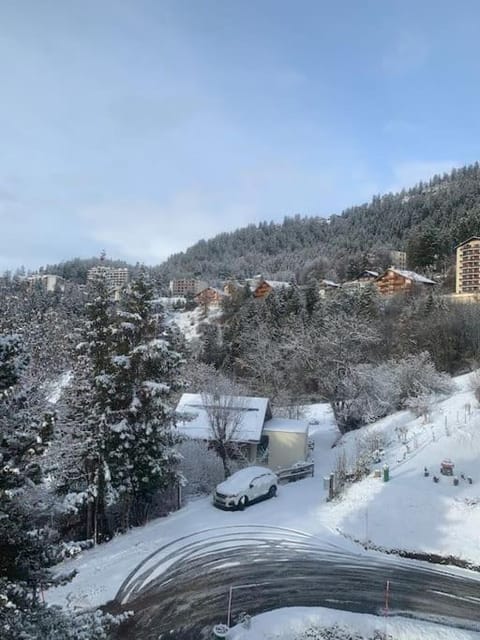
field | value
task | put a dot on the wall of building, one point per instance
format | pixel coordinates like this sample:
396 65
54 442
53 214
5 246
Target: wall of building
467 277
285 448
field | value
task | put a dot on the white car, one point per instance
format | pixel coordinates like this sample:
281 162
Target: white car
244 487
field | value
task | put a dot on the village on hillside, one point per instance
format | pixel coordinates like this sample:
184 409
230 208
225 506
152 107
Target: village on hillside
393 280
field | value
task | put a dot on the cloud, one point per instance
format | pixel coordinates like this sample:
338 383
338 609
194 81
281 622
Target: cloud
407 174
150 232
409 52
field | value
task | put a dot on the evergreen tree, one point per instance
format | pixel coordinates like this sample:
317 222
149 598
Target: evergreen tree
141 435
423 248
27 550
312 295
85 475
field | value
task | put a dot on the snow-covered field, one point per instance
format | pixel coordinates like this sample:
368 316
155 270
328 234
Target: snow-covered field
303 623
408 512
411 511
189 321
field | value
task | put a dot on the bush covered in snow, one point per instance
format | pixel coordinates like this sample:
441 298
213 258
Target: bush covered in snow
200 466
334 633
369 392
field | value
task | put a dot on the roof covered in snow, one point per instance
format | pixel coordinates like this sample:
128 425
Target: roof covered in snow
253 410
411 275
258 280
467 241
286 425
329 283
219 291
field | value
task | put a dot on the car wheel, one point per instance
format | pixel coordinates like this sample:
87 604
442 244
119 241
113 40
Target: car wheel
242 503
272 492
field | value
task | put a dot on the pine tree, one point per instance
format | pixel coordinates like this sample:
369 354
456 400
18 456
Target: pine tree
312 295
85 477
27 550
141 435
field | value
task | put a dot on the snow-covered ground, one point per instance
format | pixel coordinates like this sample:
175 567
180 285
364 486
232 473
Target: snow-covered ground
303 623
408 512
411 511
189 321
102 570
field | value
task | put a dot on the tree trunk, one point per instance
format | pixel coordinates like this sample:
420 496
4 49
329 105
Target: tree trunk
222 452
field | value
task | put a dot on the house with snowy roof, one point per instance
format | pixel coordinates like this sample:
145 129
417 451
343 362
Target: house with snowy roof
276 442
364 279
326 286
210 296
261 287
394 281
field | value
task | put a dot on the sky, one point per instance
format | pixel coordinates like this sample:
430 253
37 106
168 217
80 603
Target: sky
142 126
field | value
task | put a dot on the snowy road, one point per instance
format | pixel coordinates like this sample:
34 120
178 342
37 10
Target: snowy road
182 590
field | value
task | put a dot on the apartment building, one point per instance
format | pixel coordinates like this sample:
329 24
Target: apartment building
467 280
50 281
399 259
116 278
187 286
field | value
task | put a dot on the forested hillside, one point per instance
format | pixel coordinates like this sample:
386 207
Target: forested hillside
427 221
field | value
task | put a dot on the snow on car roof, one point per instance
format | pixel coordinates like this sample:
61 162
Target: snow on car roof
287 425
250 428
238 480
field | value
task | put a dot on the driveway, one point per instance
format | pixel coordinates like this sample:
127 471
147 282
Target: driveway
182 590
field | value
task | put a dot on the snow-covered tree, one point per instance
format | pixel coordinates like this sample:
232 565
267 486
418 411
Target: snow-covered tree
141 434
84 475
28 549
225 405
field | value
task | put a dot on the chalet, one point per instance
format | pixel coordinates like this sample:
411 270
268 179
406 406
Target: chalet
401 281
326 286
232 287
366 277
276 442
209 297
261 287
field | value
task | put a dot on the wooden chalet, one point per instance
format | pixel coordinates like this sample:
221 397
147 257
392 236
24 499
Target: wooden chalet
394 281
209 296
367 276
261 287
364 279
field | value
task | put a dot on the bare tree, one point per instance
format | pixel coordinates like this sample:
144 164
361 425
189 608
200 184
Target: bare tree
225 407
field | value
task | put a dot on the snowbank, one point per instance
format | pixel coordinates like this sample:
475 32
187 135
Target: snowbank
303 623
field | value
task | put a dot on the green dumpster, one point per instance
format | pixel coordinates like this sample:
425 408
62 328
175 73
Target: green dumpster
386 473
